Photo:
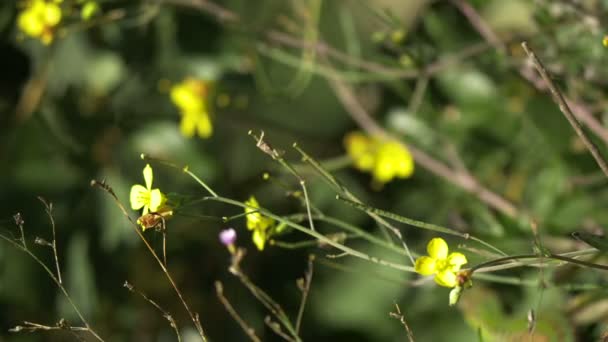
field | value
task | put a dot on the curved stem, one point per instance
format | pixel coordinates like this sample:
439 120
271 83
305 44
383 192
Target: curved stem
317 235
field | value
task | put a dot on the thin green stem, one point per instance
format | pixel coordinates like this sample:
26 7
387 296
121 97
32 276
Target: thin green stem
341 189
419 224
536 256
183 169
317 235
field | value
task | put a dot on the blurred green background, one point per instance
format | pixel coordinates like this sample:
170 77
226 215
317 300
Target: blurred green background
88 105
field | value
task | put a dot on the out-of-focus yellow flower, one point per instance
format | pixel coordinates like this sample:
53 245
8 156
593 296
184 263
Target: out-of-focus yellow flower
190 96
145 197
605 41
385 159
445 267
260 224
40 18
89 10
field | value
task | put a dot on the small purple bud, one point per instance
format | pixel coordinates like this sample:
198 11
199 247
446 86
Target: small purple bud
228 237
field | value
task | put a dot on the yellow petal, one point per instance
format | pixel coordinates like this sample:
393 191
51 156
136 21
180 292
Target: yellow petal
356 143
365 161
148 176
456 260
157 199
446 278
203 125
186 98
405 166
259 239
138 196
425 265
188 125
437 248
30 24
384 171
52 14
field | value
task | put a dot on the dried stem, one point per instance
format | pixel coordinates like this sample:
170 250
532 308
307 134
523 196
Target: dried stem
194 317
401 318
23 247
219 290
265 147
305 288
260 294
49 211
581 111
277 329
565 109
165 313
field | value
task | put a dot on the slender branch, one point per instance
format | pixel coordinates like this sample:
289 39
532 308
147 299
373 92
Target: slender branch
341 189
194 317
165 313
265 147
419 224
49 211
276 328
260 294
399 316
565 109
581 111
55 280
317 235
486 264
304 285
219 290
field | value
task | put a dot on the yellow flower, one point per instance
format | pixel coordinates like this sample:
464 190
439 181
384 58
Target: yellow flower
445 267
260 224
190 96
39 19
385 159
145 197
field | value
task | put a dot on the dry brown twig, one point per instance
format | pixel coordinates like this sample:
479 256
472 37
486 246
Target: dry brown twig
580 110
401 318
565 109
21 244
165 313
219 290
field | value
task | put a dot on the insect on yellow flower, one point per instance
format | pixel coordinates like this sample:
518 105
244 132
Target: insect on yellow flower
386 159
145 197
260 224
190 96
445 267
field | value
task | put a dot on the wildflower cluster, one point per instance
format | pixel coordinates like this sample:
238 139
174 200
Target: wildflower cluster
384 158
190 96
40 19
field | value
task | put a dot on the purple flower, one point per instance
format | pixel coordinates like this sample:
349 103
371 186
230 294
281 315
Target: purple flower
228 237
